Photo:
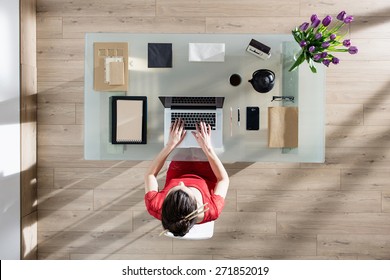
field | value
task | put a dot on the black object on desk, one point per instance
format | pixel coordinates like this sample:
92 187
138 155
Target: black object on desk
263 80
235 80
258 49
159 55
281 98
252 118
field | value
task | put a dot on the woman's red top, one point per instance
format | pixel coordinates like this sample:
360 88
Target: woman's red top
195 174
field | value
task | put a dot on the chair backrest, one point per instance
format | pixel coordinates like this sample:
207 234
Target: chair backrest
197 232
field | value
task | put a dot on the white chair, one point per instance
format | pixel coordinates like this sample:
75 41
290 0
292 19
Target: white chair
197 232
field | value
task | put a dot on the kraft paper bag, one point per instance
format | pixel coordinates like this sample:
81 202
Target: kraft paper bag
282 127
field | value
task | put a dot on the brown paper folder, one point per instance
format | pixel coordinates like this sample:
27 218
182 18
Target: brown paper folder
282 127
100 52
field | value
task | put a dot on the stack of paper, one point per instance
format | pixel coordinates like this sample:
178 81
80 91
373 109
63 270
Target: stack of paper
114 68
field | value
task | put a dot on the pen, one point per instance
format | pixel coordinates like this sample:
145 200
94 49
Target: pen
231 120
238 116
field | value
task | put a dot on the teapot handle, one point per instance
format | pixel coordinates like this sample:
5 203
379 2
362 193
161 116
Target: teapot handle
257 71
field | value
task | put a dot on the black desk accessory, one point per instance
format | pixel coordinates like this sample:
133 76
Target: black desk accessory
283 98
263 80
235 80
259 49
159 55
252 118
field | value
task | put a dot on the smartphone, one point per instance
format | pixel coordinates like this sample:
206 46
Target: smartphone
252 118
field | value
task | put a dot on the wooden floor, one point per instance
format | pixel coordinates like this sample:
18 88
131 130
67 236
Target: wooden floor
336 210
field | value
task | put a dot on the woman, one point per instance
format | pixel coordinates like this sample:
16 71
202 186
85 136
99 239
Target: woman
194 192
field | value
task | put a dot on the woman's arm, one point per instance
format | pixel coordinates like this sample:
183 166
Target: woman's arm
176 135
203 137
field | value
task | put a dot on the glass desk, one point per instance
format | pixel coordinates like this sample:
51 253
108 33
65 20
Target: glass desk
209 79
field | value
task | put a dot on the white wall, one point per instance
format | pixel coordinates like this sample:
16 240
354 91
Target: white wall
9 131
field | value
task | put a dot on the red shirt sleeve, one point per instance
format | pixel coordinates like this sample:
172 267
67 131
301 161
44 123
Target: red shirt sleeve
219 202
152 204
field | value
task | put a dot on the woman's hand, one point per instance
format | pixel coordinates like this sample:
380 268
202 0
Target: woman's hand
176 134
203 136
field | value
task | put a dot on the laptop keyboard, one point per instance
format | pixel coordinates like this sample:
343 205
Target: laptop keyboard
190 119
193 100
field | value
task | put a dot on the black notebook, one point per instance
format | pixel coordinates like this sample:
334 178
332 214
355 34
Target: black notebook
128 119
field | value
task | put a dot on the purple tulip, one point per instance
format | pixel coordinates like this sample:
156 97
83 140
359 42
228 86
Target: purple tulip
318 36
347 43
312 49
303 44
304 26
325 44
332 37
324 54
326 62
335 60
315 23
348 19
317 57
313 18
327 20
341 16
353 50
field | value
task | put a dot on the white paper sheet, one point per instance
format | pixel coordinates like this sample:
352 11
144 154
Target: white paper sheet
210 52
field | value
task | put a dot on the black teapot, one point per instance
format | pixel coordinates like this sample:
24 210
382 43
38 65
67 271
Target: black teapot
263 80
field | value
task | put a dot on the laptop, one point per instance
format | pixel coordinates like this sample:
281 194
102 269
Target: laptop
192 110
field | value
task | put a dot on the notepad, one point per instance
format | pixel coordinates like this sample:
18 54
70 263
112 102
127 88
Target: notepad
282 127
129 120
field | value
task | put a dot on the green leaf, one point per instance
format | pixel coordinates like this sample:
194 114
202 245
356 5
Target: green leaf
299 61
312 67
298 35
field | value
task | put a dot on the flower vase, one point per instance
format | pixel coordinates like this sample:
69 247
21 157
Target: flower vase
320 41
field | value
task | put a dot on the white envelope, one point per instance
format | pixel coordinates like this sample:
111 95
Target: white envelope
211 52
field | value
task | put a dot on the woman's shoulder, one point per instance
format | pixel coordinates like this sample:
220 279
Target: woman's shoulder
151 195
216 205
